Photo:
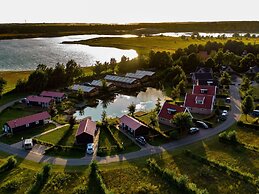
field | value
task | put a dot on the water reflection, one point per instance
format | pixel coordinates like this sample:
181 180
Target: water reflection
116 107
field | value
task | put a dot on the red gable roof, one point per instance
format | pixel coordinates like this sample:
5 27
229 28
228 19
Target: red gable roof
86 126
131 122
28 119
190 101
211 90
52 94
164 112
39 99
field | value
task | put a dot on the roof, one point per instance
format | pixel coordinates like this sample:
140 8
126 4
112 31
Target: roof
77 87
98 83
131 122
39 99
148 73
115 78
203 76
207 82
164 112
203 70
28 119
52 94
211 90
190 101
86 126
135 75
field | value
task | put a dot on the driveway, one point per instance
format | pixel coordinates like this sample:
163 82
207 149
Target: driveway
234 115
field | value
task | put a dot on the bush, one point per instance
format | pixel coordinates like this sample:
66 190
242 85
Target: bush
11 186
57 182
251 126
144 188
180 181
8 164
230 137
80 190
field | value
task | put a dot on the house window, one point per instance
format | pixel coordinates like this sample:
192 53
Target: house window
199 101
37 122
204 91
171 111
27 125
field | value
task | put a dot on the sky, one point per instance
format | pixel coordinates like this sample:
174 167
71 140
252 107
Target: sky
126 11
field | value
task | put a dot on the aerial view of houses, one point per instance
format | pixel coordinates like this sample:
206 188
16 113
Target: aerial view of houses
130 99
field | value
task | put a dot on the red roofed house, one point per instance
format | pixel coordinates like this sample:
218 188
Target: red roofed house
204 89
133 126
199 103
168 111
58 96
26 122
86 132
39 101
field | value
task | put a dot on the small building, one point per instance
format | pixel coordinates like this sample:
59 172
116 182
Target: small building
148 73
201 76
199 103
88 90
167 112
143 76
203 70
86 132
133 126
124 82
19 124
204 89
99 84
44 102
58 96
253 70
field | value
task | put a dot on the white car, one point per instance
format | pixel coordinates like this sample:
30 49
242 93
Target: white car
224 113
90 148
193 130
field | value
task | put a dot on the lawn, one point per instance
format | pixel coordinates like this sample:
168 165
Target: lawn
143 45
55 136
8 97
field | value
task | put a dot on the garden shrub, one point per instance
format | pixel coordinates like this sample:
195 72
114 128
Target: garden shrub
80 190
8 164
228 137
11 186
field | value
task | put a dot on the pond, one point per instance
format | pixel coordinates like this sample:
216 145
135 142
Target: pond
144 100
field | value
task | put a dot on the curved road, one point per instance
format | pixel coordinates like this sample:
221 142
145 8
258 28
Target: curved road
233 116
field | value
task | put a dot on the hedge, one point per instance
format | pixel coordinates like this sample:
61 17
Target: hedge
180 181
248 125
9 164
245 176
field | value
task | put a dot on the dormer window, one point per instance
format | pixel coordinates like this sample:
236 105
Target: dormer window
209 83
171 111
204 91
199 99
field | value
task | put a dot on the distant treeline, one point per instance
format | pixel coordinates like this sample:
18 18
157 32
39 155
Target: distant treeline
47 30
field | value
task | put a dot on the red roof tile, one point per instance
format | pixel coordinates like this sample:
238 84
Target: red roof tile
86 126
190 101
131 122
164 110
211 90
28 119
39 99
52 94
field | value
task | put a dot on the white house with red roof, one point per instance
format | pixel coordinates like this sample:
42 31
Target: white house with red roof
39 101
199 103
26 122
167 112
133 126
204 89
86 131
58 96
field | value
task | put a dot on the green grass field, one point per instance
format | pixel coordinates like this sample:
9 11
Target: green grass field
143 45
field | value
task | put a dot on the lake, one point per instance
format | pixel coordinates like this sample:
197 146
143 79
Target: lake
144 100
26 54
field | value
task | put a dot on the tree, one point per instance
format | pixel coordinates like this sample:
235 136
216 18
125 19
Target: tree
21 85
247 105
175 93
245 84
153 120
2 85
52 110
37 81
183 121
80 95
72 122
97 69
225 79
104 86
257 78
132 108
158 105
104 118
73 71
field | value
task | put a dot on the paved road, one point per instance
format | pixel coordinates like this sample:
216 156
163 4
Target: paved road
234 115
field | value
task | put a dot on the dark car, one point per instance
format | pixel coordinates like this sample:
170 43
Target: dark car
193 130
228 100
255 113
141 140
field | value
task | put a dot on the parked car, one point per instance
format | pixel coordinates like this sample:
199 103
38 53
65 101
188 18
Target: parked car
141 140
28 144
228 100
224 113
201 124
193 130
255 113
90 148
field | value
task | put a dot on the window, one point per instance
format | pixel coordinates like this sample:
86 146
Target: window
171 111
199 101
37 122
27 125
204 91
